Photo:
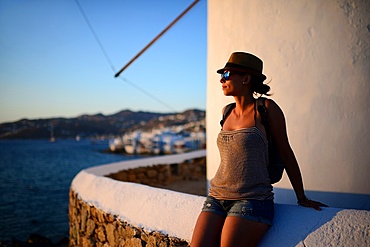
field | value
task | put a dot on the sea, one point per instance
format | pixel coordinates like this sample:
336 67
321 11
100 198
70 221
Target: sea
35 177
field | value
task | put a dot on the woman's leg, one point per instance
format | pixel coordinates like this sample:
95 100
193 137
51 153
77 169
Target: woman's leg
207 231
242 232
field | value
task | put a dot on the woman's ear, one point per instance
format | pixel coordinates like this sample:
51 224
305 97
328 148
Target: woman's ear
247 79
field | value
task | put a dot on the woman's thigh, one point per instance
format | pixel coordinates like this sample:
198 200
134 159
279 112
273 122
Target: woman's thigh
242 232
207 231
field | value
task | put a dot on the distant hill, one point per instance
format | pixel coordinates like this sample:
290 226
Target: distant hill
98 125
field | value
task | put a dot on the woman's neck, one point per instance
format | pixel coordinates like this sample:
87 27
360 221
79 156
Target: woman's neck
244 101
243 104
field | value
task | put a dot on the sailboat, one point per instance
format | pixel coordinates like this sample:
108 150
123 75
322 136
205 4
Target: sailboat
52 138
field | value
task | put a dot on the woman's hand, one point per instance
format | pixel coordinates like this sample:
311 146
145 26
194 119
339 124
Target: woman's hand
306 202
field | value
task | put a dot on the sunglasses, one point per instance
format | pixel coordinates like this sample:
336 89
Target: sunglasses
225 75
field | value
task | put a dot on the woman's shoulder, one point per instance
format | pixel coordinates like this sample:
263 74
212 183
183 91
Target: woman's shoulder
269 102
272 107
228 107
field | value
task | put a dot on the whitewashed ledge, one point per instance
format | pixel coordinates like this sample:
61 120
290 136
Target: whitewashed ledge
174 214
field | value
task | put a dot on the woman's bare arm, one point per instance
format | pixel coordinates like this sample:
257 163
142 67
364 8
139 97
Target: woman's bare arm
279 135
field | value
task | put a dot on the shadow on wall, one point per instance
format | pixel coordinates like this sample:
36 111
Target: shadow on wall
333 199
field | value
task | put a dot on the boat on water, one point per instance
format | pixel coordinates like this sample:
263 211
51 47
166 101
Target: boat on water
52 137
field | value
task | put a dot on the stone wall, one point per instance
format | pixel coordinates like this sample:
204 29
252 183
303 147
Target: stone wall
164 174
90 226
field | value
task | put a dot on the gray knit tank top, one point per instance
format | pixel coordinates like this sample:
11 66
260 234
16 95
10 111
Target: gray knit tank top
243 172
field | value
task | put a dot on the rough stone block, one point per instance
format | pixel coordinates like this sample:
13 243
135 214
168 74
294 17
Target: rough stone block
90 227
100 234
131 178
151 173
110 230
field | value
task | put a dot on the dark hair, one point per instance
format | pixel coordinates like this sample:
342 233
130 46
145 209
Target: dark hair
259 87
257 82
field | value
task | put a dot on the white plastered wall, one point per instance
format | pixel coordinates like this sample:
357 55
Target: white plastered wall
316 54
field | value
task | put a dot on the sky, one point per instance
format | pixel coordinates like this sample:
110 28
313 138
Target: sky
54 63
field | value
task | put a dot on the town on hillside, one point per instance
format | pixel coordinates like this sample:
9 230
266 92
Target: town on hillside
127 131
166 140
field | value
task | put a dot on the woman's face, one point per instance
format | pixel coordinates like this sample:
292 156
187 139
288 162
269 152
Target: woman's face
232 83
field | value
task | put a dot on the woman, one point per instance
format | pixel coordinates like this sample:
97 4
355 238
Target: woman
239 208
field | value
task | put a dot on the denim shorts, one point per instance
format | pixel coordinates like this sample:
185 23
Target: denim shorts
255 210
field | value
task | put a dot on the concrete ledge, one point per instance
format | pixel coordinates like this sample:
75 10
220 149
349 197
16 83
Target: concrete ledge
299 226
152 209
174 214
